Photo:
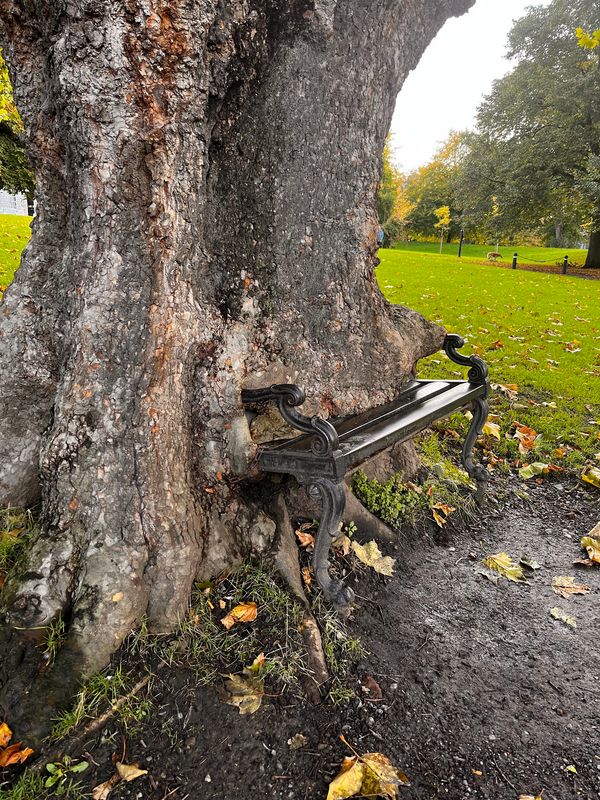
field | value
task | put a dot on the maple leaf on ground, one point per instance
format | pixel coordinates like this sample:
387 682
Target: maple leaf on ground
527 437
245 692
244 612
566 587
370 555
491 429
505 566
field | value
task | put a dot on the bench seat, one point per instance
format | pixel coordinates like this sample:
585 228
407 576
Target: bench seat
327 450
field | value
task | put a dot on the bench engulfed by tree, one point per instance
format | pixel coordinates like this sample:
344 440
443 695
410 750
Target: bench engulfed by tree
206 178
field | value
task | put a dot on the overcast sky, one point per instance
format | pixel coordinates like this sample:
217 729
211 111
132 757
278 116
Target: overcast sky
456 71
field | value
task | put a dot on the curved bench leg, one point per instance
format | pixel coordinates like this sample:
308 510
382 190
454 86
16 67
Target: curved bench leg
333 501
476 471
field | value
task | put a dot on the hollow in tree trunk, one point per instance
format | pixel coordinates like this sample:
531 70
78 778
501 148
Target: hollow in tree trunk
206 175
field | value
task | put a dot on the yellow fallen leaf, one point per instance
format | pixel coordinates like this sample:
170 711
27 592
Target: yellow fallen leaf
561 615
531 470
591 543
491 429
256 665
591 475
370 555
530 797
502 563
116 598
129 772
244 612
381 778
565 586
439 519
348 781
5 734
571 768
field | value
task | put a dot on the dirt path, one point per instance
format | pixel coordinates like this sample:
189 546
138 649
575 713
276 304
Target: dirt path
484 694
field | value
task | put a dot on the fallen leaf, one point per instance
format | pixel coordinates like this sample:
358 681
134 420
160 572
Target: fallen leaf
245 692
505 566
591 543
491 429
527 437
306 539
381 779
116 598
256 666
571 768
529 563
565 586
591 475
370 555
244 612
561 615
102 791
307 578
14 755
5 734
297 741
371 688
129 772
477 772
530 797
531 470
348 782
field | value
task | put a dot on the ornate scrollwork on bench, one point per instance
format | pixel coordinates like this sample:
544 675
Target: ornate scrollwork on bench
479 370
288 396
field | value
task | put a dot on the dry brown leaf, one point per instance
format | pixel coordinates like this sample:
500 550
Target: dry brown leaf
530 797
526 436
370 555
244 612
305 539
566 587
245 692
129 772
307 578
102 791
14 755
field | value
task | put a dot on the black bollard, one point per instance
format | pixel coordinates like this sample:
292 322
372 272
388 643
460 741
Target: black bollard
565 265
515 259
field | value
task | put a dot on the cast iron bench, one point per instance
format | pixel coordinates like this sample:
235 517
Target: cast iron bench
328 449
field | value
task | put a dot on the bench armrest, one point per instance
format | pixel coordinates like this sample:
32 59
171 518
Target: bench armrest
478 372
287 396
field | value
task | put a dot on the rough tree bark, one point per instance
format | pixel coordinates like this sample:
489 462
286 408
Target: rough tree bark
592 260
206 175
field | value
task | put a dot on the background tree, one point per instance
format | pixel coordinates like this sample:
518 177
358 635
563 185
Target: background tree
393 207
16 174
431 186
206 178
539 132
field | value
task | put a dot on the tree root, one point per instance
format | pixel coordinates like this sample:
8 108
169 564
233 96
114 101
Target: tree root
288 566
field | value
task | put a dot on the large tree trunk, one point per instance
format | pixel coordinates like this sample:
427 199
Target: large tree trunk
592 260
206 178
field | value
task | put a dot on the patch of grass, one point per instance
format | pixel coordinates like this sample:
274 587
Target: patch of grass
97 695
535 330
478 252
342 652
14 235
16 530
393 501
30 786
56 634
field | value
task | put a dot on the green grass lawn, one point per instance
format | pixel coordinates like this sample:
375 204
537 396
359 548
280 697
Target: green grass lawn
538 331
478 252
14 235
